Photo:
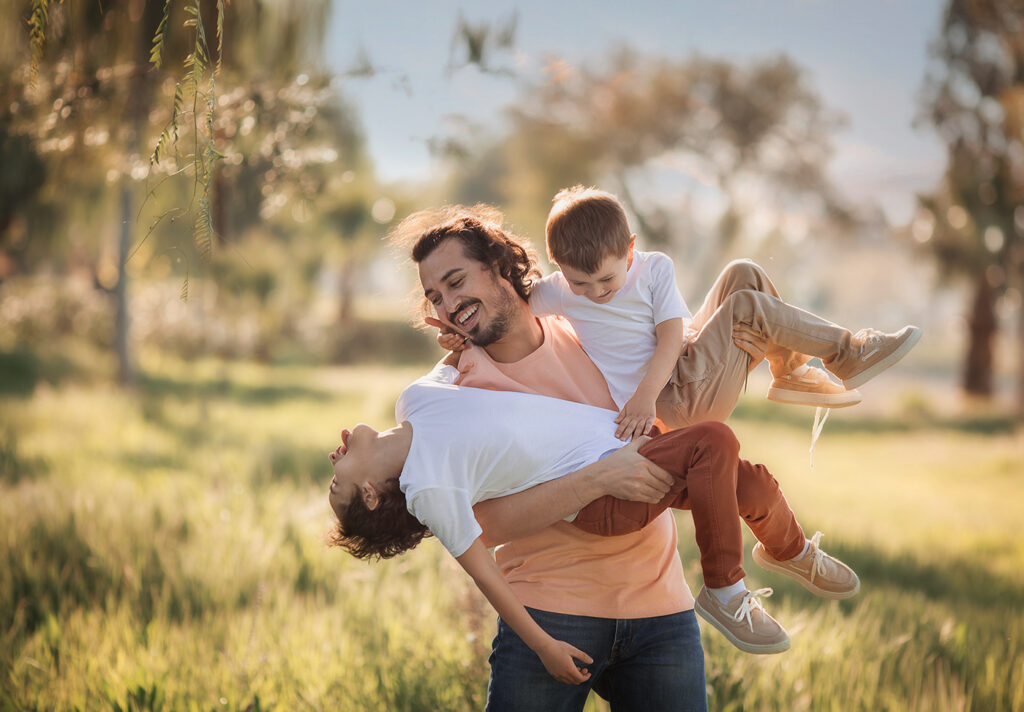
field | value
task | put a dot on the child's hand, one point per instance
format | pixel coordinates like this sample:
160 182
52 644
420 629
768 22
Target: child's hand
448 338
746 339
558 656
636 417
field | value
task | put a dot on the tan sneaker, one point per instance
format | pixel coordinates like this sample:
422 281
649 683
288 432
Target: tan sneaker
815 388
816 571
743 621
870 353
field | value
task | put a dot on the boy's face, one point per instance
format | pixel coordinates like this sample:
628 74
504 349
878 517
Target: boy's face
353 464
602 285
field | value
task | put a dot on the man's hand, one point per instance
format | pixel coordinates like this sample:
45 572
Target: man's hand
557 657
636 417
750 341
626 474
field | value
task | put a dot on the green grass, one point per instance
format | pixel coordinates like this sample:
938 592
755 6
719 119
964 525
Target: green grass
164 550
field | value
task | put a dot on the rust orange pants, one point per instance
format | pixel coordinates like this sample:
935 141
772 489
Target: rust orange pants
718 488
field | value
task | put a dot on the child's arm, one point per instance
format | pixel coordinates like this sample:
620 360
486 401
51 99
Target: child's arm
638 414
557 655
624 474
448 337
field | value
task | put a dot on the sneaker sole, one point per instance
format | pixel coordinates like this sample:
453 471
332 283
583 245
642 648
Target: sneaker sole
824 593
821 400
766 649
868 373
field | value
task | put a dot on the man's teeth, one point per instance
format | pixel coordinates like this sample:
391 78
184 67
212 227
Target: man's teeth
468 313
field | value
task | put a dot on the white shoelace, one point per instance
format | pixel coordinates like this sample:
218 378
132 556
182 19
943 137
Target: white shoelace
820 416
820 564
872 337
751 602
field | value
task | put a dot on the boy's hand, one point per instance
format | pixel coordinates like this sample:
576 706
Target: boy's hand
636 417
557 657
750 341
448 337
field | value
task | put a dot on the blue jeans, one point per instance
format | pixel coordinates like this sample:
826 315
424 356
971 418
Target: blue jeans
640 664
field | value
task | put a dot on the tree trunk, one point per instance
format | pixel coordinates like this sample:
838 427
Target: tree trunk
125 365
1020 359
982 327
346 289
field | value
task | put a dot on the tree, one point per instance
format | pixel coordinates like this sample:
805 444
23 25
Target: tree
974 223
147 94
743 129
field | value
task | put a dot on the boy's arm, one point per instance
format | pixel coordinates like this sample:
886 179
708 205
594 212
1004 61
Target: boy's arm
557 655
638 414
624 474
546 295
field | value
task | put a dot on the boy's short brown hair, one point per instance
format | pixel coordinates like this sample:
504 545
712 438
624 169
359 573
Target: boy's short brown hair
585 226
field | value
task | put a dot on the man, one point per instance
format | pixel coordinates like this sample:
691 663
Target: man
623 600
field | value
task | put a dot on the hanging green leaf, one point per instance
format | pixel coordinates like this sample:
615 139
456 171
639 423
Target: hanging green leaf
156 54
37 21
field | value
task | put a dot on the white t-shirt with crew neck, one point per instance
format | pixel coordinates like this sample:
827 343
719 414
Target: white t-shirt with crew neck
619 336
472 444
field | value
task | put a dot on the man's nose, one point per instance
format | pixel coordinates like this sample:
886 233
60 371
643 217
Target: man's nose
451 303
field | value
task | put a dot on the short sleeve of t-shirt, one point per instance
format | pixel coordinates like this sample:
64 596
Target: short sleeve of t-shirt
666 300
546 295
448 513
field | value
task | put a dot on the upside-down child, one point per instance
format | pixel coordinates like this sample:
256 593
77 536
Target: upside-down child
661 362
455 446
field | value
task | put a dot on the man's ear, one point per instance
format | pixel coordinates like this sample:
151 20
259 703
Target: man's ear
370 496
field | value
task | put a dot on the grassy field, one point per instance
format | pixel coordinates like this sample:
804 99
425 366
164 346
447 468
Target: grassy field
164 550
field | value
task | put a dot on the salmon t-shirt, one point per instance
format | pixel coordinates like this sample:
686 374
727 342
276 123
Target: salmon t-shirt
563 569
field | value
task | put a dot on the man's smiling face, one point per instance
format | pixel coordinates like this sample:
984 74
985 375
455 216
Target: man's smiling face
467 294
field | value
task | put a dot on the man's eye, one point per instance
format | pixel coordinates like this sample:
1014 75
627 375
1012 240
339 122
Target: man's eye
435 300
455 283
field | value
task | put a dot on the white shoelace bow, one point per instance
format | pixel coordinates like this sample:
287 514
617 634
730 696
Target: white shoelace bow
820 564
751 602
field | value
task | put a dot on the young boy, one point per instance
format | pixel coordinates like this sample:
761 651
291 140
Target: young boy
455 446
661 363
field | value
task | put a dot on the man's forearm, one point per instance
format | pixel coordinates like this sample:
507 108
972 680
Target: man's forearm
527 512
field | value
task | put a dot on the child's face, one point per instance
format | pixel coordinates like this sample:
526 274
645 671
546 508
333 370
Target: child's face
602 285
353 465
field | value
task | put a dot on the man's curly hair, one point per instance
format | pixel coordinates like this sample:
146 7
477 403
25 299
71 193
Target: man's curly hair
479 229
380 533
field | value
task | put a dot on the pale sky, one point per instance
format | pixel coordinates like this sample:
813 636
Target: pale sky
866 59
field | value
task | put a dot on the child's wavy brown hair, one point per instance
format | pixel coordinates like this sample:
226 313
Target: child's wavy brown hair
380 533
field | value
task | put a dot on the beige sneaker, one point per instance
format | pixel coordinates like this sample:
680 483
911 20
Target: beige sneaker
814 388
744 621
870 353
816 571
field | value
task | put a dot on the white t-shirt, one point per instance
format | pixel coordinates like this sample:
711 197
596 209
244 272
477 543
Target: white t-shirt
471 444
619 336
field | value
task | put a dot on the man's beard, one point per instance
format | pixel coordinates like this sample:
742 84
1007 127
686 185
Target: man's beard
500 324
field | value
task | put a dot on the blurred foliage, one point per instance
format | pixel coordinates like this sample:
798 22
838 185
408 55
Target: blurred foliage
974 224
278 122
757 135
292 201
